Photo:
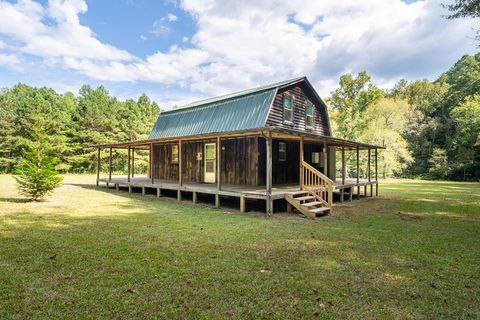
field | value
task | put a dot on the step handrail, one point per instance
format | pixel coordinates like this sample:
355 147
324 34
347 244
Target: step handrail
316 183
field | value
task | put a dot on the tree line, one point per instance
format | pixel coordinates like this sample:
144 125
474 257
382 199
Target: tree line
430 129
68 125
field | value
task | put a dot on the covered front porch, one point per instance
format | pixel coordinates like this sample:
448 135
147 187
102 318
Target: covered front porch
247 165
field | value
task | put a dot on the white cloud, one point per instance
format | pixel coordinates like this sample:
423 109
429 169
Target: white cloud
242 43
24 22
257 42
161 27
9 60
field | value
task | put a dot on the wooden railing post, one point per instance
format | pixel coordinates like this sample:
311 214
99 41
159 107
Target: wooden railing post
330 196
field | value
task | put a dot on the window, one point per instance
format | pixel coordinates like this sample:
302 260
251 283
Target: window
287 108
282 151
309 115
316 157
174 153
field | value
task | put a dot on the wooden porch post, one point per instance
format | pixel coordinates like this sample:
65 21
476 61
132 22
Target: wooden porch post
358 172
133 162
219 163
98 164
301 161
180 178
128 177
376 172
151 163
269 203
369 171
110 166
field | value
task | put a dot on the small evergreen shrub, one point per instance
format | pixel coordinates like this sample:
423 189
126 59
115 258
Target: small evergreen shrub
37 177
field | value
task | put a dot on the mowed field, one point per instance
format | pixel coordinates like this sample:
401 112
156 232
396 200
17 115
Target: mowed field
414 252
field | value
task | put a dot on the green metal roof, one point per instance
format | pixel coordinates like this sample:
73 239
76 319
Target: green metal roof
234 112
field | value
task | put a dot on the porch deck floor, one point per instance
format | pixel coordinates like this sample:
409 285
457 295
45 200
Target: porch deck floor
253 192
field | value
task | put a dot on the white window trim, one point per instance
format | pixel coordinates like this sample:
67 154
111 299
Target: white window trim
313 115
285 96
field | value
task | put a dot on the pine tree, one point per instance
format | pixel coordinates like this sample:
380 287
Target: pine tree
36 173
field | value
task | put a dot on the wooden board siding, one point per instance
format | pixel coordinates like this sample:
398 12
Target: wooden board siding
239 161
300 98
163 168
193 169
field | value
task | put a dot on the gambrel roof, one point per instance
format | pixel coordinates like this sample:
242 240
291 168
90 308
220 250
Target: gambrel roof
239 111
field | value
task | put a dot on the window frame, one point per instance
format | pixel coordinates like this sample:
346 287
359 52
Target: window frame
282 152
309 105
175 159
288 96
316 157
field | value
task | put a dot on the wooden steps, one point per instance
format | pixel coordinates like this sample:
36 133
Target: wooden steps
307 204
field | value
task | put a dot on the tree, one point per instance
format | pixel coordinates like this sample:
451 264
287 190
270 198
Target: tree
467 138
439 166
36 171
425 98
21 109
465 9
37 177
349 103
386 124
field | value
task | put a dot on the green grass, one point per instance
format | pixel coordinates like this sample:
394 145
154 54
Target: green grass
88 253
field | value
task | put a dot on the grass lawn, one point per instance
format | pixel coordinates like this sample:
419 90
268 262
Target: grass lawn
91 253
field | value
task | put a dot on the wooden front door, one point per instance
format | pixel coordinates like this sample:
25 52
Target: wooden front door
210 158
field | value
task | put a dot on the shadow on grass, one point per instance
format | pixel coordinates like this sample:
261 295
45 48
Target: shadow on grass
16 200
255 208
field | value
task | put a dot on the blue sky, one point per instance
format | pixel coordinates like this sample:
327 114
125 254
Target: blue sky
179 51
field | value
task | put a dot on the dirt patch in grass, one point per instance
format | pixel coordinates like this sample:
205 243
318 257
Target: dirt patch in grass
361 208
409 216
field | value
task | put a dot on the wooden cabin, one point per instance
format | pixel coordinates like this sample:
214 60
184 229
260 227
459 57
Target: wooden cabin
273 143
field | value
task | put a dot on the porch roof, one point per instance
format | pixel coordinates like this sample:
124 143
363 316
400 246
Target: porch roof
277 133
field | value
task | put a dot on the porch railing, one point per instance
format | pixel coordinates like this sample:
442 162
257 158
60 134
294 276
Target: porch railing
316 183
